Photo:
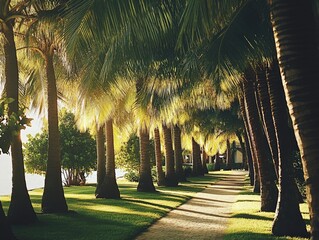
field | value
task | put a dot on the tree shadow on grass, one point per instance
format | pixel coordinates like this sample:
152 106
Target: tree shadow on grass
249 216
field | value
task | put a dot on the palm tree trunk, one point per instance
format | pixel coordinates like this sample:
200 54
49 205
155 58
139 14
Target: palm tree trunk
170 176
158 156
178 154
266 115
5 228
295 30
204 161
53 200
249 159
254 165
287 212
101 159
229 159
268 189
109 188
20 209
145 183
197 165
243 149
217 166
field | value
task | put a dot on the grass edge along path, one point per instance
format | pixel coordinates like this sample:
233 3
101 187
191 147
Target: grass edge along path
92 218
248 223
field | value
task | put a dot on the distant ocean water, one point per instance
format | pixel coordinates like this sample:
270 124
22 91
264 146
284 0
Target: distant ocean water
33 180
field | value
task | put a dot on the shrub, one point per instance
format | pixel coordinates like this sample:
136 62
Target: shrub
210 166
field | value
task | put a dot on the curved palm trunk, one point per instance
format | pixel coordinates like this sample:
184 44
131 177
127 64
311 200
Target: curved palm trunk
170 176
268 188
5 228
145 183
249 159
243 149
266 115
287 212
101 159
158 156
297 50
53 200
178 154
109 188
254 165
20 209
204 161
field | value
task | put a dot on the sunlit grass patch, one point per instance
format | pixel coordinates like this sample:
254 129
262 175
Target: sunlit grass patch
247 222
106 218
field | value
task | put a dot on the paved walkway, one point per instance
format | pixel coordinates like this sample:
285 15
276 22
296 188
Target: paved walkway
205 216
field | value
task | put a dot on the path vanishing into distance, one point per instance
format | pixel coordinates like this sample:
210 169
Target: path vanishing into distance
205 216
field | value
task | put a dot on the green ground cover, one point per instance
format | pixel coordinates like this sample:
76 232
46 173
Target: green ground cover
247 222
92 218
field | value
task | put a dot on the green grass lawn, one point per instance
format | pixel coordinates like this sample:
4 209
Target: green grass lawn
247 222
107 219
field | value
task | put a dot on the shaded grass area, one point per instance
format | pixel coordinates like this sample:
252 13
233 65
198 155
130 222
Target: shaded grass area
247 222
92 218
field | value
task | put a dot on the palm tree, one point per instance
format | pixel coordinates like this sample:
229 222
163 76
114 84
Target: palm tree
288 212
197 165
5 228
268 188
158 156
101 158
20 209
178 154
109 188
297 52
145 183
170 175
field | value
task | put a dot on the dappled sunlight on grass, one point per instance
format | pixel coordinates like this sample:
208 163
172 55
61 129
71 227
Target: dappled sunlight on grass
92 218
247 222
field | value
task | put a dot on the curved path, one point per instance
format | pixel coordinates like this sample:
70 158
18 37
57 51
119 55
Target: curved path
205 216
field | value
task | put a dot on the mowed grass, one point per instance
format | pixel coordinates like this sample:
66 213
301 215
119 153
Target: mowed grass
247 222
92 218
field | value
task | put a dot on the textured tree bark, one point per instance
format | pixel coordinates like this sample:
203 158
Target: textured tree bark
101 159
170 178
5 228
287 212
229 158
268 188
256 181
158 156
20 209
178 154
217 166
53 200
249 159
295 30
109 188
266 115
243 149
145 183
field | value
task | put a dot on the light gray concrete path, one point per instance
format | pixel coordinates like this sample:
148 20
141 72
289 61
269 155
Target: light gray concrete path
205 216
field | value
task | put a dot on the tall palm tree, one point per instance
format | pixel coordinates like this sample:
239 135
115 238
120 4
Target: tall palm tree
109 188
178 154
297 52
101 158
268 188
158 156
197 165
170 175
288 212
145 183
20 209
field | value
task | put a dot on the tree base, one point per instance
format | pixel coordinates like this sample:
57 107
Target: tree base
269 197
5 228
108 189
171 181
145 184
54 202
